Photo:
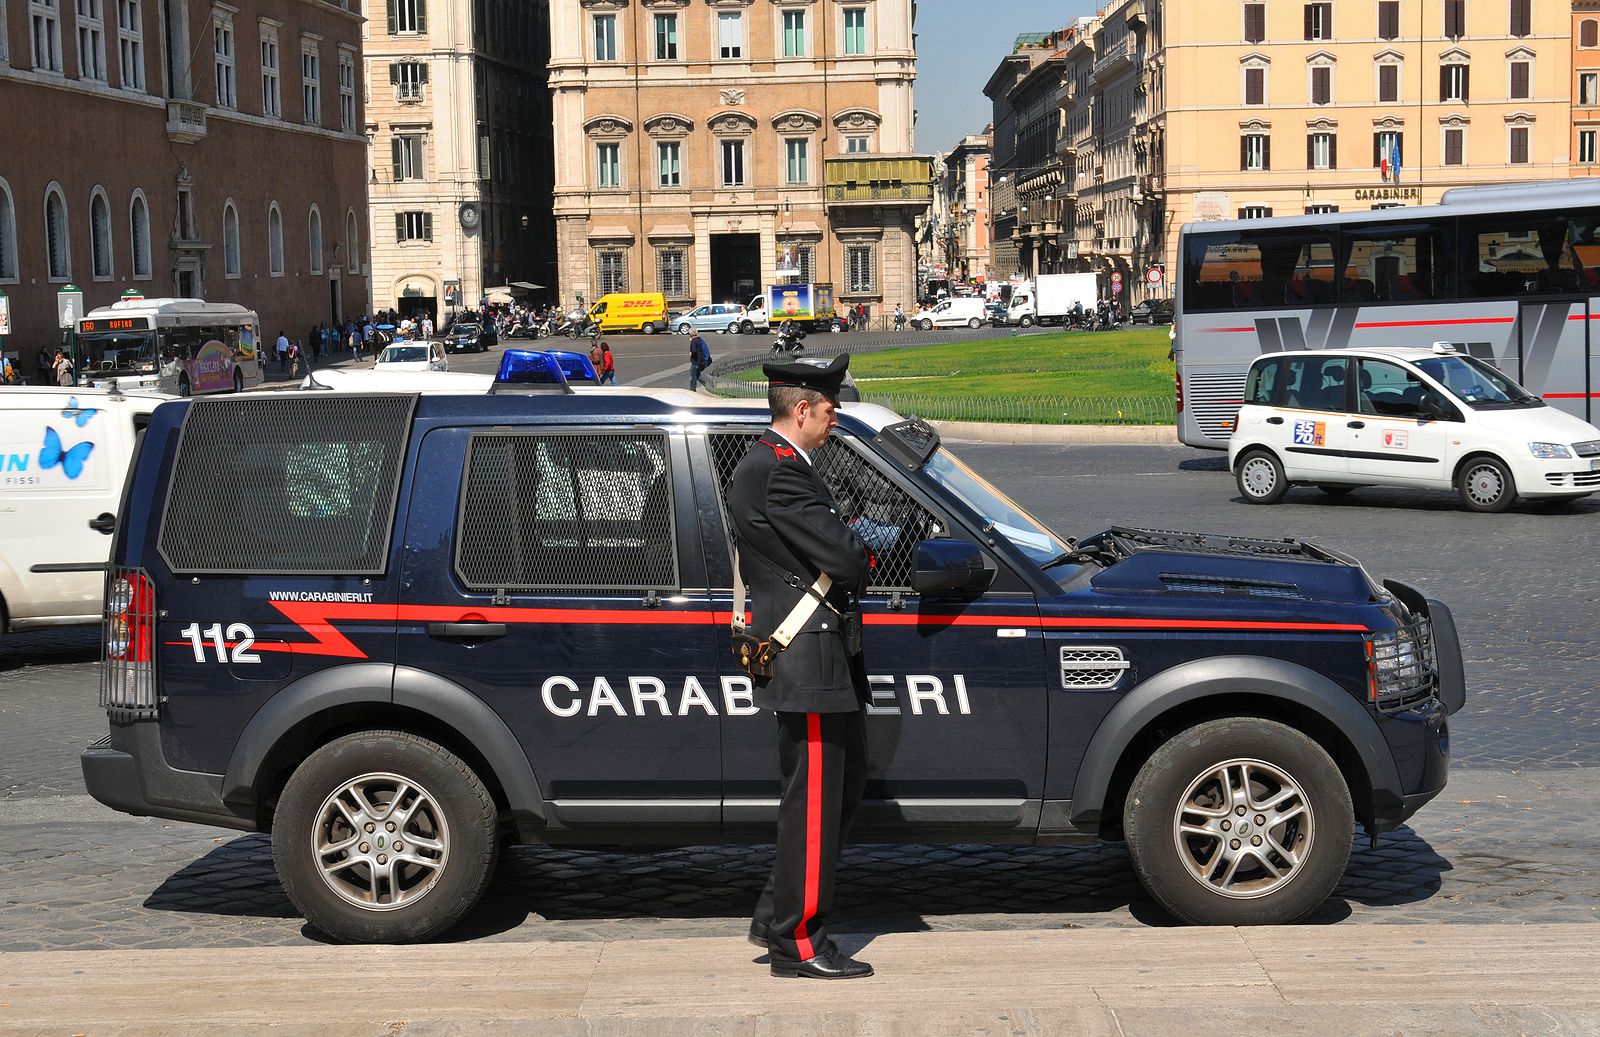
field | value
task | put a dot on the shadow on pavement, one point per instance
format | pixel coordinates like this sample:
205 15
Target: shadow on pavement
49 647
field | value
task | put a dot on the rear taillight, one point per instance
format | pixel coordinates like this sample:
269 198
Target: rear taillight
1177 381
127 678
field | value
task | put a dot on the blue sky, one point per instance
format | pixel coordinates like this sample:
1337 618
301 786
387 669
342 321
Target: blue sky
959 44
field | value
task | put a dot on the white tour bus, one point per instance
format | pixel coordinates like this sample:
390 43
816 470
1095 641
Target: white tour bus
1508 274
182 346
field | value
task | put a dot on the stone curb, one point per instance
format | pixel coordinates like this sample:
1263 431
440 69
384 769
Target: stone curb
1066 435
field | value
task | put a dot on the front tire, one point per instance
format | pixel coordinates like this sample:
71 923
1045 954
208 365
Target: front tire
926 325
1261 478
1242 821
384 837
1486 485
974 323
1024 322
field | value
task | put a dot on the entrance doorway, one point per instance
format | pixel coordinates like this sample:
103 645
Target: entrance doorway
735 267
335 302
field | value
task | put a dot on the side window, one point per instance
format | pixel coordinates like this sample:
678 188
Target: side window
1315 382
1263 383
1532 254
1396 263
567 511
1389 390
889 520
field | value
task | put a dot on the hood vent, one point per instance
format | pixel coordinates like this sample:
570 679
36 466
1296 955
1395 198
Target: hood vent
1231 586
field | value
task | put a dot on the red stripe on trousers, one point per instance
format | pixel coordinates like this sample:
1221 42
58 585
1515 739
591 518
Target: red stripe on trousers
802 940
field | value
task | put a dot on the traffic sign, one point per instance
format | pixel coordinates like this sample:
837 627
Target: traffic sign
69 305
1116 277
1153 275
1116 287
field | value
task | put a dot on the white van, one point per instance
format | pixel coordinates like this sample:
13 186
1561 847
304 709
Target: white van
953 313
64 455
1394 416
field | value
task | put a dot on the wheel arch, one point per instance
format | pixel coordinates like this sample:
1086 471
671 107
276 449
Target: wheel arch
1471 456
337 701
1230 686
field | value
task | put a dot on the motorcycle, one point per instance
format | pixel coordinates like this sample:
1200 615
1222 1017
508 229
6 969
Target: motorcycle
788 340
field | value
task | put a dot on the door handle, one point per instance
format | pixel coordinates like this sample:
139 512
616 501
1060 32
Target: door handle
105 523
1274 420
467 631
1355 424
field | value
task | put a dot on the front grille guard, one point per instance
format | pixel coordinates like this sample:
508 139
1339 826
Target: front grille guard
1415 683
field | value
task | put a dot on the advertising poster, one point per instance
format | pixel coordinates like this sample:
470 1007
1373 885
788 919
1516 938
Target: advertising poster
791 302
213 368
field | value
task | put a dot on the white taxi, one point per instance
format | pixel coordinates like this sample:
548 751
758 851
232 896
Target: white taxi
1431 418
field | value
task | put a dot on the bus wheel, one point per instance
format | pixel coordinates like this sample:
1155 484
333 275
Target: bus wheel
238 382
183 386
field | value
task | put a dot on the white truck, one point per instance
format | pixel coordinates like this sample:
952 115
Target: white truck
1050 299
809 306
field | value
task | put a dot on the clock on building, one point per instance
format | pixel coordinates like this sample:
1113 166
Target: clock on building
468 215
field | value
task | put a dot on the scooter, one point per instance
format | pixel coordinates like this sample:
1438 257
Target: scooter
788 340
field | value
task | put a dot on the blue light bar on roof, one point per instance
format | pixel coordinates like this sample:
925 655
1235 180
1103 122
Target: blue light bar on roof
576 366
530 370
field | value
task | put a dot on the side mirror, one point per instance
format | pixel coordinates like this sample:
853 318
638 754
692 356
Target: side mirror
950 567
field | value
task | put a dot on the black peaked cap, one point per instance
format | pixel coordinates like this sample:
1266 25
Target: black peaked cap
810 374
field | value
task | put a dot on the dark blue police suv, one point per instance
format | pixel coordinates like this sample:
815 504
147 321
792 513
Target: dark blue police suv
397 630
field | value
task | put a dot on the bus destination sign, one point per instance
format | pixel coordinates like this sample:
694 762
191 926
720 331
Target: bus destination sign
114 324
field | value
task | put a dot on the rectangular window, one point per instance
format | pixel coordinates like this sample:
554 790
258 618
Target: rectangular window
1589 88
270 100
1586 146
1319 21
1387 146
1321 209
91 40
1589 33
861 269
672 273
796 171
855 30
408 78
805 259
1396 262
1521 17
1320 151
405 151
1255 86
1255 212
1519 145
222 54
347 91
413 226
1388 19
666 37
1321 85
605 37
1519 80
733 163
794 34
856 145
408 16
1255 23
608 163
1452 82
611 269
44 19
730 34
130 43
1388 83
1455 18
1532 253
1255 151
310 83
1454 146
669 172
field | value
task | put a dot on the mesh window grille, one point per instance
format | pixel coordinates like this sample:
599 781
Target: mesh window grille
888 519
579 511
861 269
286 486
611 271
672 273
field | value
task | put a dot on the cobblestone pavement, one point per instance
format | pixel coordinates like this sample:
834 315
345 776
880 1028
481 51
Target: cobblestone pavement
1511 839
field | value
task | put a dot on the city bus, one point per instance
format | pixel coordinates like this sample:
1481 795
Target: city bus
1509 274
182 346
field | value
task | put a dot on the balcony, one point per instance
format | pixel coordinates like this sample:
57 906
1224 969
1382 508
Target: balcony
858 180
186 122
1115 59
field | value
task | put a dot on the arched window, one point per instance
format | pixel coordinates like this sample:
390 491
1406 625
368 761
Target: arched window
58 250
8 234
274 241
139 235
1589 33
314 238
352 244
230 240
100 235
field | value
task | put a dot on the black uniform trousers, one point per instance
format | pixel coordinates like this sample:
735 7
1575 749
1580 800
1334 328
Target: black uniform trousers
824 761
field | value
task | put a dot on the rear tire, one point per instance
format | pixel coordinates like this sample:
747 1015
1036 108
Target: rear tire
1261 478
649 328
733 328
1242 821
974 323
397 789
1486 485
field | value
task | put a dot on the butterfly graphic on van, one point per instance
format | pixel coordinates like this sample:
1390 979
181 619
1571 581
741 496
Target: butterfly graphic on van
82 415
71 461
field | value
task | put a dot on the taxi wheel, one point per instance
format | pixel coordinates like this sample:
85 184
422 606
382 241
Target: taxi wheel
1260 477
1486 485
1242 821
384 837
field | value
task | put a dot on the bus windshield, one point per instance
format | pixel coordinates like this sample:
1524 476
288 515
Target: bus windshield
118 351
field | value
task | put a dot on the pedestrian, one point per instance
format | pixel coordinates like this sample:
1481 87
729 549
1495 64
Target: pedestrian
427 326
355 345
282 349
63 369
788 535
294 358
596 358
699 360
899 317
608 365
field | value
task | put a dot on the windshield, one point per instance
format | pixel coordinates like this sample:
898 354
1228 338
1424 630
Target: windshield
1001 515
118 351
1475 383
403 354
464 329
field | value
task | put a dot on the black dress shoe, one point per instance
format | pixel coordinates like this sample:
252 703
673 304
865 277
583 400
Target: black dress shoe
758 934
830 964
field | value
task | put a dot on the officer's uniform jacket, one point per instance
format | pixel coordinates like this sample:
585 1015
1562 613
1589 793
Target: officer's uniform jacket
783 510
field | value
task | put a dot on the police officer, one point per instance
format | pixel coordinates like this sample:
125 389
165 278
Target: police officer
789 534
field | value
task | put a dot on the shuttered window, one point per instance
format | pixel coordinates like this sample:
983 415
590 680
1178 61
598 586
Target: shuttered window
1454 141
1319 21
1255 23
1519 80
1322 151
1455 18
1519 145
1589 33
1521 17
1453 83
1388 83
1321 85
1388 19
1255 151
1255 86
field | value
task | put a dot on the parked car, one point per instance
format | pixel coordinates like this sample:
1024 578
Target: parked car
952 313
1153 311
470 338
412 356
997 313
723 318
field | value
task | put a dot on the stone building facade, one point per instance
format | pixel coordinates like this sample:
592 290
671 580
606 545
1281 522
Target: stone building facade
189 149
702 147
962 237
1585 87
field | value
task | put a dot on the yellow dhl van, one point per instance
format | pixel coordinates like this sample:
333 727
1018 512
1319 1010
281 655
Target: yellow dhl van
630 311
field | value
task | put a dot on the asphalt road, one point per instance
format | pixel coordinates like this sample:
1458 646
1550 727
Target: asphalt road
1511 840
